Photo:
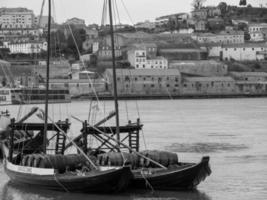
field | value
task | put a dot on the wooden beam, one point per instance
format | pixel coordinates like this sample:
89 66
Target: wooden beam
76 139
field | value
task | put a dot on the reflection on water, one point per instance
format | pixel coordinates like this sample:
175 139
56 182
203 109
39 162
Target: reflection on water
205 147
16 192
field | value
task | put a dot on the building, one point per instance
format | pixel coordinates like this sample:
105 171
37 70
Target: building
29 47
200 14
144 56
200 67
42 21
79 87
157 63
16 18
200 25
175 19
58 69
105 52
257 31
137 57
204 86
250 76
145 25
230 37
248 51
183 53
75 21
147 82
91 38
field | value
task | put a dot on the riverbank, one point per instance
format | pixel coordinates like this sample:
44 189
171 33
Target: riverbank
158 97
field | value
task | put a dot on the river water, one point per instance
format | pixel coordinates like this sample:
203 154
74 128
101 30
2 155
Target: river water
233 132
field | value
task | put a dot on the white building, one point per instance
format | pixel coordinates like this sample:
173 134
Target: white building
140 59
29 47
137 58
256 31
17 18
249 51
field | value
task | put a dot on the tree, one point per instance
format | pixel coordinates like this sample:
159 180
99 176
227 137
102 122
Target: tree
223 7
247 36
76 42
197 4
243 2
58 43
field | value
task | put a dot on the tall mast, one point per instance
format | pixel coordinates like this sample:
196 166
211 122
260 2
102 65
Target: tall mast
47 77
114 76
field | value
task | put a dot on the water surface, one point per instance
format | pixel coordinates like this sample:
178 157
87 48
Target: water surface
233 132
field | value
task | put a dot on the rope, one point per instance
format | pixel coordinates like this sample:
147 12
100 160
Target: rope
74 144
147 182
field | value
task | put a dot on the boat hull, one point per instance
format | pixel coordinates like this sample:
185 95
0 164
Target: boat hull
114 180
182 178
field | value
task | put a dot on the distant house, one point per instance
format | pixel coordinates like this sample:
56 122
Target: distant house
28 47
247 51
145 25
105 52
75 21
257 31
200 14
200 25
229 37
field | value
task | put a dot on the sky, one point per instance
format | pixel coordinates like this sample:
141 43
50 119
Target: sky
130 11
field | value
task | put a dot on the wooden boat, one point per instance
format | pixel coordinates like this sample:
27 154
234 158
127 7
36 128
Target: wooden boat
106 180
168 177
31 164
183 177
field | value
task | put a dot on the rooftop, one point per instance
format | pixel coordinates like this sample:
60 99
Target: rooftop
259 74
145 72
208 79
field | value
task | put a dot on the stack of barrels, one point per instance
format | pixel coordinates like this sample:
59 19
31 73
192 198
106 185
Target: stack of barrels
60 162
165 158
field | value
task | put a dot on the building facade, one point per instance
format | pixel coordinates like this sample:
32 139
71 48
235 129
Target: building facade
208 86
257 31
29 47
16 18
200 67
147 82
230 37
249 51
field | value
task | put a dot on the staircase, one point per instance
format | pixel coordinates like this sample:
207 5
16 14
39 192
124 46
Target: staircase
134 140
60 143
